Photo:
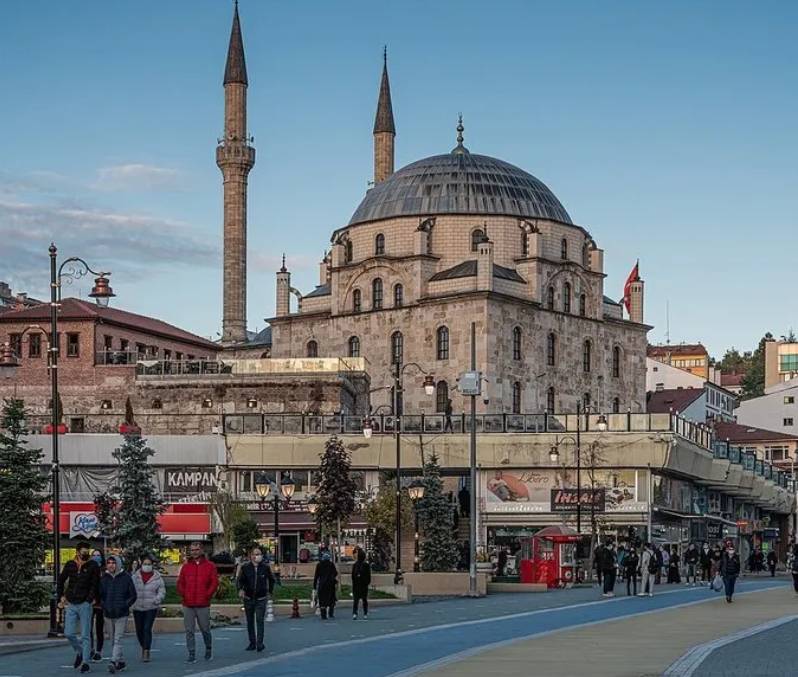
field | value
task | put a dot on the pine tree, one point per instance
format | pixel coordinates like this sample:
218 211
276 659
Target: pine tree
245 535
135 528
754 380
438 545
23 531
381 517
335 493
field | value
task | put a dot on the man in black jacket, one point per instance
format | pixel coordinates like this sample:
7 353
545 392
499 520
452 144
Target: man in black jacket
361 579
706 564
255 583
78 590
730 568
117 595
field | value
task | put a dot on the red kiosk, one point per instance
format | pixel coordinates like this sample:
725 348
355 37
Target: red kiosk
550 557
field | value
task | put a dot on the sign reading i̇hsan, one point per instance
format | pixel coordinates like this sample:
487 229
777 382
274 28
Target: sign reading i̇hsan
565 500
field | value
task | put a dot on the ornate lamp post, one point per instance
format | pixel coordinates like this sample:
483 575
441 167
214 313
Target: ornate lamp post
416 492
263 488
102 294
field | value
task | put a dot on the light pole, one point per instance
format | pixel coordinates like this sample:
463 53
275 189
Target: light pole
263 487
102 294
416 492
429 390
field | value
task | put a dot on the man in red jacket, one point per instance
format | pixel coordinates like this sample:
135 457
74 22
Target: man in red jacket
197 584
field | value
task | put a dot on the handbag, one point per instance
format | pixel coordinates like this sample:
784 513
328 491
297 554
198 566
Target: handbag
314 599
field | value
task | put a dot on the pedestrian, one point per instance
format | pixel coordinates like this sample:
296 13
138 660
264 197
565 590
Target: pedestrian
597 558
660 563
773 560
98 621
117 594
673 566
729 569
631 562
150 593
361 579
621 555
608 564
717 553
196 585
78 589
447 413
691 559
501 564
325 580
255 582
666 560
464 499
705 559
649 567
794 568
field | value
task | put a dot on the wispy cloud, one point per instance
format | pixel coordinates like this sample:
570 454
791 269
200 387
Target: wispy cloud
135 176
121 242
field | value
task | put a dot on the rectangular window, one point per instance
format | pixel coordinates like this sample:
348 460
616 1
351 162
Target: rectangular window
788 422
73 345
141 351
108 343
35 345
76 425
167 354
788 362
789 399
178 356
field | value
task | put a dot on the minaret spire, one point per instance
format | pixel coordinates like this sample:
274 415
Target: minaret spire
384 128
235 158
236 68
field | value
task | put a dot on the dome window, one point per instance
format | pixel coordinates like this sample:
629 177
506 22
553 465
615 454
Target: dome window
379 245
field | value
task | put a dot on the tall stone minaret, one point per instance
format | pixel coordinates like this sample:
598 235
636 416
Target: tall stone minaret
384 129
235 157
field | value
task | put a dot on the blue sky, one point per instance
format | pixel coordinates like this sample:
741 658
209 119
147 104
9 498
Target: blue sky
667 129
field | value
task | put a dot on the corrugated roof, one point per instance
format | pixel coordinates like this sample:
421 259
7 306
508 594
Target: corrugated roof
77 309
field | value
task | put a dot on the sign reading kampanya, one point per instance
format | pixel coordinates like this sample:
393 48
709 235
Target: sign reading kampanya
190 480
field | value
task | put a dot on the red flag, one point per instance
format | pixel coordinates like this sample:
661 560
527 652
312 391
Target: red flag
634 276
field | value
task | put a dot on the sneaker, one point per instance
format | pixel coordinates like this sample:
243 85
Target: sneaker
260 647
354 617
208 654
191 659
365 617
96 657
641 594
85 668
79 660
120 665
112 667
250 647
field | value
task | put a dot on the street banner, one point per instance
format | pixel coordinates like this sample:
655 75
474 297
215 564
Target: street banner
565 500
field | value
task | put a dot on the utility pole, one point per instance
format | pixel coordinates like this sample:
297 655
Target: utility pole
472 568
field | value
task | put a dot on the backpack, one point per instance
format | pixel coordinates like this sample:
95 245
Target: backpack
653 564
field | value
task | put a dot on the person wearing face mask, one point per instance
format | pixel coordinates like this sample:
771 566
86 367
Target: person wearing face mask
255 582
117 594
150 593
98 621
729 569
78 589
705 559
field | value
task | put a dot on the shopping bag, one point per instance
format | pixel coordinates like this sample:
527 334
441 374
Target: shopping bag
314 600
717 583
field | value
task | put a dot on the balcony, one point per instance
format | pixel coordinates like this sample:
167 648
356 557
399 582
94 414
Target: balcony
154 369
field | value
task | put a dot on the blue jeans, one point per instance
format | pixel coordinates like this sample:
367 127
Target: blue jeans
728 583
74 614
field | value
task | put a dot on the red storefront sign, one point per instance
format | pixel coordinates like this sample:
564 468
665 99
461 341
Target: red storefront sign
179 518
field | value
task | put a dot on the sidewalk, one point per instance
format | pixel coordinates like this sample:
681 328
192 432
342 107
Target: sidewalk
642 645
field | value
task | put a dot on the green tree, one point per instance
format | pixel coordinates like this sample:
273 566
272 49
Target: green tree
229 513
438 545
754 379
733 362
245 535
381 517
23 532
135 526
335 493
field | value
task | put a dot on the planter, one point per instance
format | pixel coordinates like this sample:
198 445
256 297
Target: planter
130 429
60 429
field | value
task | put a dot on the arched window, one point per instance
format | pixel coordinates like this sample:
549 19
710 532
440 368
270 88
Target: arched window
517 397
616 406
550 400
312 349
357 301
582 305
587 355
524 244
516 343
376 293
564 249
398 296
566 297
550 298
441 396
397 347
586 255
477 237
354 346
616 362
379 244
551 349
442 343
348 253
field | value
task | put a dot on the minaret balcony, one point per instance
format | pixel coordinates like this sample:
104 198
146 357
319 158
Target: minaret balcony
235 152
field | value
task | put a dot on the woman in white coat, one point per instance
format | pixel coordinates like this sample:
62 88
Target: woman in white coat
150 591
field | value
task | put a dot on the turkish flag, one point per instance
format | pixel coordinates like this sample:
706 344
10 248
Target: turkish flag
634 276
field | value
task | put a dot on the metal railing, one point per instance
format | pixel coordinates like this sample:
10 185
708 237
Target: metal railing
154 367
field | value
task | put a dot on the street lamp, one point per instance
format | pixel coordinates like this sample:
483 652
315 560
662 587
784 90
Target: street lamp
8 362
416 493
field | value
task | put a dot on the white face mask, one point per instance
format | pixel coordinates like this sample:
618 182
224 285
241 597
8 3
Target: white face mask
146 568
730 551
258 559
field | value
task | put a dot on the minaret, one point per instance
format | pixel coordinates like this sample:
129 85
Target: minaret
384 129
235 157
283 306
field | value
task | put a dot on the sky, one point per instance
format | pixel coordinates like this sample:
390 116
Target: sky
668 130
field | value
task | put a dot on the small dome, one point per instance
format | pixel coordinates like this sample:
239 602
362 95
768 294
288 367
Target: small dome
460 183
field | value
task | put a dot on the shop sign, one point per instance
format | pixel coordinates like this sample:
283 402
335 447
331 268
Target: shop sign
713 530
190 480
566 500
83 524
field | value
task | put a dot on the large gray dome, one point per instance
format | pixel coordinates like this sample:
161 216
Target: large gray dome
460 183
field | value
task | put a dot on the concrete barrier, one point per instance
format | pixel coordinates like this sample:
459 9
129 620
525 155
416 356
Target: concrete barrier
428 584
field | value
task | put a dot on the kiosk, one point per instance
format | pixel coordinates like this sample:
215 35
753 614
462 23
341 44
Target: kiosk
549 557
